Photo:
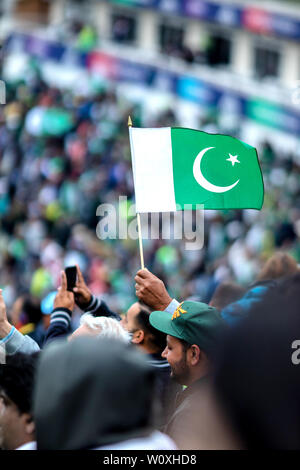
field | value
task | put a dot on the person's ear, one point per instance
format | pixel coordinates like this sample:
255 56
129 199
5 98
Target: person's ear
194 354
29 424
138 337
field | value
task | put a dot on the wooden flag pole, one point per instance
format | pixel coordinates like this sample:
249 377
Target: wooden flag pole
138 221
140 240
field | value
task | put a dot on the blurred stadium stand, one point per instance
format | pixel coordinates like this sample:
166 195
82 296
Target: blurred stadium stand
239 59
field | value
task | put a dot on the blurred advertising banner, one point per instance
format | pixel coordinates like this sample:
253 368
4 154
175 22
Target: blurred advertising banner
103 64
134 73
270 114
261 21
45 50
137 3
189 88
192 89
251 18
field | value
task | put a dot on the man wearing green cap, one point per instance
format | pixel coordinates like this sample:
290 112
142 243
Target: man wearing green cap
192 335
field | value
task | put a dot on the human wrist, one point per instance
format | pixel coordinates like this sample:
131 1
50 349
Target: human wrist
165 302
62 309
5 329
84 305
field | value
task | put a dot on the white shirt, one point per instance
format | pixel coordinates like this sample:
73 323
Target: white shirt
156 441
27 446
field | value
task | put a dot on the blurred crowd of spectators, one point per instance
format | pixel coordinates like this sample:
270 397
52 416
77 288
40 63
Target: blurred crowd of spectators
62 155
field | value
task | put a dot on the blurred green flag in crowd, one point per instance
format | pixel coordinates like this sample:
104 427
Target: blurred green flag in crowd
176 167
87 38
42 121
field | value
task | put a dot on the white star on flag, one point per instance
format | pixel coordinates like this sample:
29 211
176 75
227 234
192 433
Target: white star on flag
233 159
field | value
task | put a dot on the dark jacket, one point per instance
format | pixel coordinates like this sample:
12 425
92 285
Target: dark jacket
166 388
184 408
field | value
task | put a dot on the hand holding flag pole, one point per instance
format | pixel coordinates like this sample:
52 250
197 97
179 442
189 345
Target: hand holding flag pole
138 220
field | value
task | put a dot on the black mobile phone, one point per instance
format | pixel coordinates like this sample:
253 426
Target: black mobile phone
71 273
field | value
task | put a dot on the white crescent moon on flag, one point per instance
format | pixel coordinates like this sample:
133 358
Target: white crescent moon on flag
203 181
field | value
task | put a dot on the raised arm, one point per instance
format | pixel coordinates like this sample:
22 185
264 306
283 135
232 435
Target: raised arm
88 302
60 323
12 339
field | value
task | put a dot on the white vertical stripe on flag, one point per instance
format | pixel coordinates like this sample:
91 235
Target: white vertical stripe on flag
151 152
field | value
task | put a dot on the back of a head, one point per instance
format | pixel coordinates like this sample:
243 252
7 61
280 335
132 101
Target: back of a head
225 294
279 266
17 380
256 380
156 338
106 327
91 393
32 310
290 287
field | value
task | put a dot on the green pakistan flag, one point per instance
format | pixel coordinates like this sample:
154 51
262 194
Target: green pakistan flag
218 171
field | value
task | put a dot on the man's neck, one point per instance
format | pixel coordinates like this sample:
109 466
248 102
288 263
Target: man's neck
194 377
21 441
147 348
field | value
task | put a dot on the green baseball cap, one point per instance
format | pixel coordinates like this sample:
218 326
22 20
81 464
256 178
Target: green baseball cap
193 322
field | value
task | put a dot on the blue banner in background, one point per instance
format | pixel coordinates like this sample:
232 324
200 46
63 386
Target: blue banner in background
133 72
284 26
164 81
56 52
46 50
185 87
227 15
170 6
37 47
137 3
250 18
196 9
195 90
